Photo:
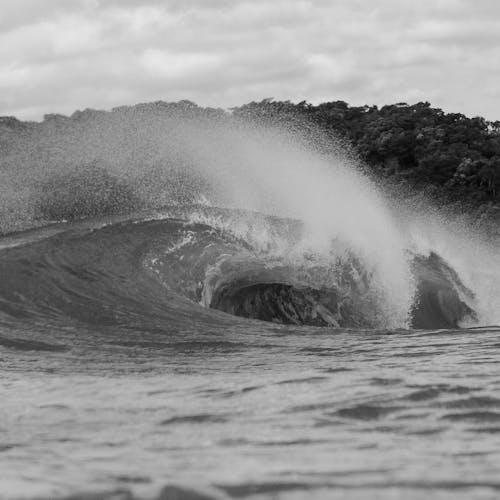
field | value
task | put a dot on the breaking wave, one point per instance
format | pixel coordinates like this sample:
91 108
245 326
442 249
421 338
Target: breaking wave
183 267
301 236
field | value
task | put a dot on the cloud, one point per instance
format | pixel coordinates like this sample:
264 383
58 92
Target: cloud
57 56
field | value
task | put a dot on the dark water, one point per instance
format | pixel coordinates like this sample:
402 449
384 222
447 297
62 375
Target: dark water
123 375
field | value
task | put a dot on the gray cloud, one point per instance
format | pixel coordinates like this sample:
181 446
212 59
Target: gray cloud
57 56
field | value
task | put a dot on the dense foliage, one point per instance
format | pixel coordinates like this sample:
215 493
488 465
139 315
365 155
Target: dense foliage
446 154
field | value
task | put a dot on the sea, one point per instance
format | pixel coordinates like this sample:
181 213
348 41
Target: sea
286 331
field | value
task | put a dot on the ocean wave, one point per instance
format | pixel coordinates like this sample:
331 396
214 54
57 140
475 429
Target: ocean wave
211 266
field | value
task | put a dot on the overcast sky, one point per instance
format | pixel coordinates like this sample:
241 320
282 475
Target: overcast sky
62 55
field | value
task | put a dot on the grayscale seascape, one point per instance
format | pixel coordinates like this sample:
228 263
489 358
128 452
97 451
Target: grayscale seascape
273 301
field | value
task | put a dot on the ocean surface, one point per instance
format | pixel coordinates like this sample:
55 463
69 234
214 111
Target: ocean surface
207 353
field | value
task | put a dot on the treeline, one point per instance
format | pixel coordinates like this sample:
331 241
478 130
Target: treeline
447 155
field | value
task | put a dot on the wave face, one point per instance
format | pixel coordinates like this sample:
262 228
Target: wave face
184 267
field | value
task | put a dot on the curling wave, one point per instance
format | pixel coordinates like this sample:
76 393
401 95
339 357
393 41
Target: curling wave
182 268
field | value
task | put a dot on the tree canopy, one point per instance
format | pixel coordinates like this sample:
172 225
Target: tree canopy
418 145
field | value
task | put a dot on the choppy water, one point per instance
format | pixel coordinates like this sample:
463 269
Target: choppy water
281 415
118 378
